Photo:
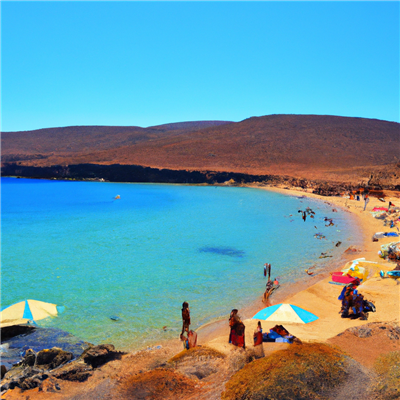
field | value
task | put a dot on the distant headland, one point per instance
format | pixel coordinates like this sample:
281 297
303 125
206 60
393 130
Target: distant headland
321 152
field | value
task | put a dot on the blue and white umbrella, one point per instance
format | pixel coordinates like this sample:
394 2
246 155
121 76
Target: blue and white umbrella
27 311
286 313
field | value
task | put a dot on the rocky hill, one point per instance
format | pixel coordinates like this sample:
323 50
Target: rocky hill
313 147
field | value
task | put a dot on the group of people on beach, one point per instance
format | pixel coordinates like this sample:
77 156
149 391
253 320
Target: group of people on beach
359 194
237 328
236 335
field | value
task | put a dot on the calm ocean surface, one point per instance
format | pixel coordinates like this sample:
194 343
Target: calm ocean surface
136 259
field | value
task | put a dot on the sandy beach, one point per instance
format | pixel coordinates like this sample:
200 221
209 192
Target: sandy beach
313 293
317 295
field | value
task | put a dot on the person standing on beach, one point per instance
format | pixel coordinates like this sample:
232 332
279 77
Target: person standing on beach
366 201
267 268
236 335
185 318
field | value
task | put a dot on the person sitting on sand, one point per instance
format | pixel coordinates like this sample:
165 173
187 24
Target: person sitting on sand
269 285
185 318
276 282
308 271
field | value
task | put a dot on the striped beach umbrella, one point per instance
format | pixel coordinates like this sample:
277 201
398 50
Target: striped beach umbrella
25 311
285 313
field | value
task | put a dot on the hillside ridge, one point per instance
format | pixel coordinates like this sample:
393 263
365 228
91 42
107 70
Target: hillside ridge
326 147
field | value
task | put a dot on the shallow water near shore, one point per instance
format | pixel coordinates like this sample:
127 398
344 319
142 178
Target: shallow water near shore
121 268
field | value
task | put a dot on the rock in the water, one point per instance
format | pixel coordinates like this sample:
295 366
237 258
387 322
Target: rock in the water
9 332
30 358
53 358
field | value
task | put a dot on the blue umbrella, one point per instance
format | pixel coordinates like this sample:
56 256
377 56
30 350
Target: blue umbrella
285 313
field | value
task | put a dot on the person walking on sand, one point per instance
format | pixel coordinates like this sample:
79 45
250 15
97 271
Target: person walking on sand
185 318
366 201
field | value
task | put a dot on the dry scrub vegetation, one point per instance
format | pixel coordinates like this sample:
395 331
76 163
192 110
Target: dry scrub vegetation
197 352
387 367
157 384
303 371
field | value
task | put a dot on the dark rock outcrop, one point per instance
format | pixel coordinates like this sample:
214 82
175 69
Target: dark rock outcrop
52 358
29 359
98 355
55 363
76 371
3 371
8 332
137 173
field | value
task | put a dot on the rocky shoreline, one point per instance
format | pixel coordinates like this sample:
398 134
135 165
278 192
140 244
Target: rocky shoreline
140 174
52 364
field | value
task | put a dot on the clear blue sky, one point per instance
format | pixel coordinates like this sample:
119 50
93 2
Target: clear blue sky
149 63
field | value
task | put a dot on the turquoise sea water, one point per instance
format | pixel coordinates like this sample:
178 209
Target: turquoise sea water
136 259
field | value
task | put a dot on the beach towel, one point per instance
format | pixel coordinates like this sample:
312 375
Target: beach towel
338 277
379 209
273 335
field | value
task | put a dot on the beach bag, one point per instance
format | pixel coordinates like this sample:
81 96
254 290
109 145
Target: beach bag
369 306
258 338
280 330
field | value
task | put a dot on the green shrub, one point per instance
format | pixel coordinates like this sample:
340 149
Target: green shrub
298 372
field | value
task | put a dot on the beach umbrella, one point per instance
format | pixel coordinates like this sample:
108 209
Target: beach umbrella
285 313
27 310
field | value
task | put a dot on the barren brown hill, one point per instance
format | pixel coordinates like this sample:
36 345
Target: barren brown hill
308 146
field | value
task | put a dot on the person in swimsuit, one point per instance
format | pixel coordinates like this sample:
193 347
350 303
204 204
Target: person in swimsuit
185 318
